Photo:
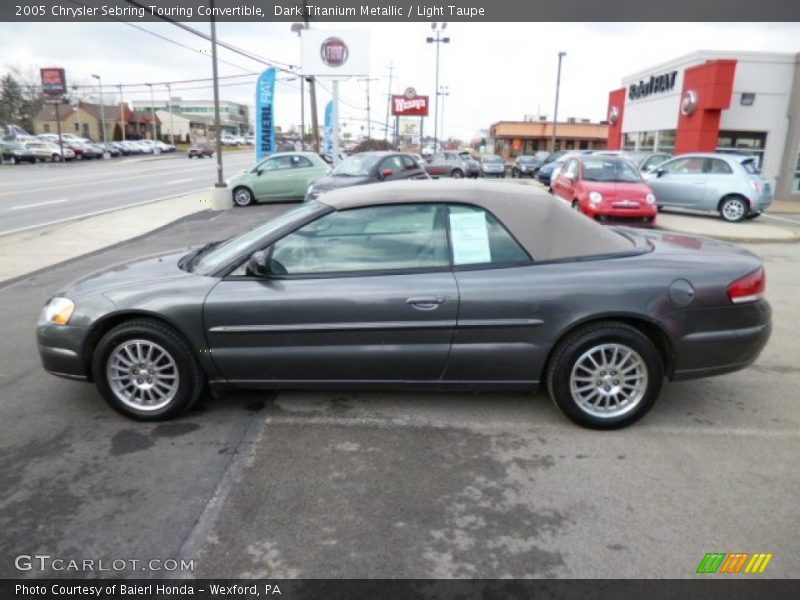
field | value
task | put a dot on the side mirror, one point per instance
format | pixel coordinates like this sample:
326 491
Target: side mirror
387 173
259 171
659 172
257 265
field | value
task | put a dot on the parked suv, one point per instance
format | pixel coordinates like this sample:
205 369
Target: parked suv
730 184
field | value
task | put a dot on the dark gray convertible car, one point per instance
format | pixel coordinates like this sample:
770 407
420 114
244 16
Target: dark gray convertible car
434 284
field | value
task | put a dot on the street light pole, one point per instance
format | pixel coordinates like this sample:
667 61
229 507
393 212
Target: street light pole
217 121
442 91
169 105
121 112
153 118
438 40
369 118
106 154
561 55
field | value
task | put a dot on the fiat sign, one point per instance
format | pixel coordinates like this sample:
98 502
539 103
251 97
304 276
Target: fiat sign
335 53
416 106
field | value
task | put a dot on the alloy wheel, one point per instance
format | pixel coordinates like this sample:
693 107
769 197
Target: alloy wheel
608 380
733 209
142 375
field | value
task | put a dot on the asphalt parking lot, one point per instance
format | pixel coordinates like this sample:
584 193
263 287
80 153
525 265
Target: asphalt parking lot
400 485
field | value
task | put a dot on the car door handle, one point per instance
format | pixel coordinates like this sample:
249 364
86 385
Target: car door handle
425 302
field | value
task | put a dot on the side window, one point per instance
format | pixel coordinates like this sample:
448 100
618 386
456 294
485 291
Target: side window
478 238
395 163
719 167
278 163
685 166
302 163
409 163
572 169
377 238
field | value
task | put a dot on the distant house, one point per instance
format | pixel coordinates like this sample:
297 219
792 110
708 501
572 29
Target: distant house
512 138
181 125
85 120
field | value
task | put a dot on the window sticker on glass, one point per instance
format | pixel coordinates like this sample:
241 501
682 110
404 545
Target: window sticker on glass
470 237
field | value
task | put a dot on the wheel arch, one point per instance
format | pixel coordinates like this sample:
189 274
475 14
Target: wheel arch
733 195
645 325
108 322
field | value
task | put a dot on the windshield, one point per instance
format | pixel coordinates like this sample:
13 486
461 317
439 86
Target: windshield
356 166
526 159
492 159
235 246
620 171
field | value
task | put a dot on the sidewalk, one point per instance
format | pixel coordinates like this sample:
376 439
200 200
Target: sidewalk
35 249
784 206
714 227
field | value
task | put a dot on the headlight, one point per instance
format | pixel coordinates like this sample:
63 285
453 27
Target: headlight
58 311
595 197
650 199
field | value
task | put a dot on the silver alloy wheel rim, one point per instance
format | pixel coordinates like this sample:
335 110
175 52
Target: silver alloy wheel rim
242 197
733 209
608 381
457 175
142 375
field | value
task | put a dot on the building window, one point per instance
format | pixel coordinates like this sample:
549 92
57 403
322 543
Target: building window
77 127
746 143
584 145
629 143
47 127
647 141
666 140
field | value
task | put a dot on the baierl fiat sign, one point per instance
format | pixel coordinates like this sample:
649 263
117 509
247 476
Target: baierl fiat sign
335 53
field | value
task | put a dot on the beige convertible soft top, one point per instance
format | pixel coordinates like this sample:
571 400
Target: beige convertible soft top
547 227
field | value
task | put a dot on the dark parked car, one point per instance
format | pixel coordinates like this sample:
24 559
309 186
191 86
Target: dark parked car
444 284
368 167
527 166
493 166
200 151
16 153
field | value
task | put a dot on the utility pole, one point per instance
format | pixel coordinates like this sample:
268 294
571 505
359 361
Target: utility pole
369 118
438 40
80 130
171 125
217 122
561 55
388 101
298 29
442 91
121 112
312 90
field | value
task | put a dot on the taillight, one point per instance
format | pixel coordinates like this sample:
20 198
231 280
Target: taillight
756 185
749 288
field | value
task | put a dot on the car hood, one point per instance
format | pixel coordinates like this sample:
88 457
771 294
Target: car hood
618 189
132 274
333 182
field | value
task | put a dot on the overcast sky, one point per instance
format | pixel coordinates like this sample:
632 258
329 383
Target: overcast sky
494 71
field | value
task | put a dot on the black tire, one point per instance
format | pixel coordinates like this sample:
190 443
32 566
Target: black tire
576 206
753 215
242 196
733 209
457 174
56 158
573 348
15 160
190 377
189 156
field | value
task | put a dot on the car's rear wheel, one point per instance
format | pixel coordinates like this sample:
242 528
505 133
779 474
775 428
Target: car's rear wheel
146 371
242 196
605 376
457 174
733 208
15 160
55 158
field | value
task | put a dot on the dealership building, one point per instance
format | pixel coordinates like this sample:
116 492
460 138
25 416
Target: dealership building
736 102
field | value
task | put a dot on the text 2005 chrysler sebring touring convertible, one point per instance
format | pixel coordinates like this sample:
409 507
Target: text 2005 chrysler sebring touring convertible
444 284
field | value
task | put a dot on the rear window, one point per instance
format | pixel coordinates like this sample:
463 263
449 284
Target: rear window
750 166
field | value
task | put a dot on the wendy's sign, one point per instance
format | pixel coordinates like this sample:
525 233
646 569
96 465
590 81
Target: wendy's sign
416 106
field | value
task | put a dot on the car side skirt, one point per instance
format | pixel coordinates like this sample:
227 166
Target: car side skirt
341 384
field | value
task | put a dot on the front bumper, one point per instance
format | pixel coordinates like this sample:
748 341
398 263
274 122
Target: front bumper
61 350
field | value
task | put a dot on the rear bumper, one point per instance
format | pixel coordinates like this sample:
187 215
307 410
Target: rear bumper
720 340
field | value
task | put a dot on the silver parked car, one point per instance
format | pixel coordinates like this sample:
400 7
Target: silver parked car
726 183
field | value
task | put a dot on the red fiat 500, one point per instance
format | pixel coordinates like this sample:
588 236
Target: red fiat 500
606 188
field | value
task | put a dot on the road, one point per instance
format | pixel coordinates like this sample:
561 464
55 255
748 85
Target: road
401 485
32 195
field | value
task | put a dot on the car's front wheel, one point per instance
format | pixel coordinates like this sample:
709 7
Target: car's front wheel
56 158
605 376
242 196
146 371
457 174
733 209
